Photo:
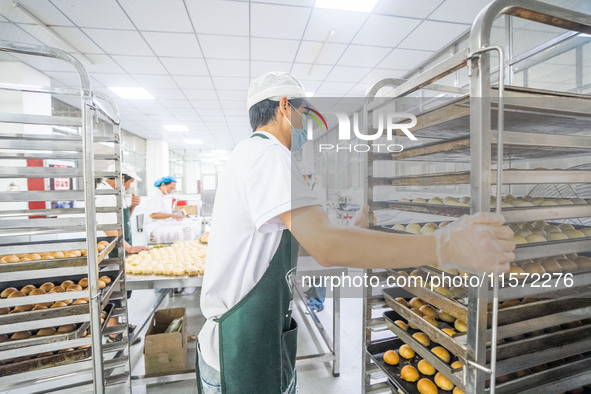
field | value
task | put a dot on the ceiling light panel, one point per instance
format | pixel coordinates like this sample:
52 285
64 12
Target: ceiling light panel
347 5
414 9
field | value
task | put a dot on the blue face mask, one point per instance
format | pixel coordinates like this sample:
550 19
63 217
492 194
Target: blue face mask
298 136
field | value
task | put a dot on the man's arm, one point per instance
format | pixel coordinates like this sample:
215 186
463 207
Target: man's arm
333 245
478 242
128 248
160 215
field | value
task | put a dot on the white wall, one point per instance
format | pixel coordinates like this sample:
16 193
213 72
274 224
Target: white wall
157 162
191 174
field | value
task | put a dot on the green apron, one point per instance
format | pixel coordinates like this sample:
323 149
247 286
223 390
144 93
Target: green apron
257 336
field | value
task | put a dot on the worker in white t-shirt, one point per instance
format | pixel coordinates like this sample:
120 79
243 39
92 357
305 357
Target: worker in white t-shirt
262 210
160 201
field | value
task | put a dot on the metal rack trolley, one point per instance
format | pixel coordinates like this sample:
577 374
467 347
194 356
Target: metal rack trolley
466 132
104 367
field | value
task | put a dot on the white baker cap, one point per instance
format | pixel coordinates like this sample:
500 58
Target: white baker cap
274 85
126 169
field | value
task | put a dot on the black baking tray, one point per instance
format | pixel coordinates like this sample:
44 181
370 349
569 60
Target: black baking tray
376 350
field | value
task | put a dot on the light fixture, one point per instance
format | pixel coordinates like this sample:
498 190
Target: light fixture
309 94
347 5
131 93
42 25
173 127
192 141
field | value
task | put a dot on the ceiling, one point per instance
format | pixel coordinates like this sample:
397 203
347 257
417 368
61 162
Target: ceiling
197 57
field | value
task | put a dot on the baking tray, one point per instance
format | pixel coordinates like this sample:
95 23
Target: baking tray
526 251
456 305
54 359
376 350
552 312
45 362
54 267
40 315
56 281
581 287
76 334
510 177
512 215
512 354
458 150
526 110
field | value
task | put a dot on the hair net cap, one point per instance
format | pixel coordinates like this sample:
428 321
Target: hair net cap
274 85
126 169
164 179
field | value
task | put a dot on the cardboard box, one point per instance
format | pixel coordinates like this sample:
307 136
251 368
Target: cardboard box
190 210
165 353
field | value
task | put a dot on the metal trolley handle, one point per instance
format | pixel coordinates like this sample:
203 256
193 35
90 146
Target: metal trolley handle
500 129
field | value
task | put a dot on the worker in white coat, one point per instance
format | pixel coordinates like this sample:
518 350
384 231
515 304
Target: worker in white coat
160 202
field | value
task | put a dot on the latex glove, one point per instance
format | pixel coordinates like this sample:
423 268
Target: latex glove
476 243
177 217
316 305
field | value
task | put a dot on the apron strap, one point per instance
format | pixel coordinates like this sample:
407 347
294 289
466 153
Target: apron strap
259 135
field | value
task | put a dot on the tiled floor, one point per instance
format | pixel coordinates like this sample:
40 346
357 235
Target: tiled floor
312 379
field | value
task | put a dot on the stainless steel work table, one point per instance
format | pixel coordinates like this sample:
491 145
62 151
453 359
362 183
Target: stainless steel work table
308 266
